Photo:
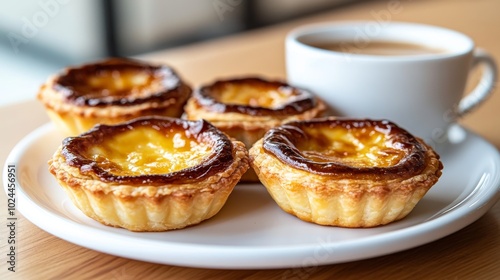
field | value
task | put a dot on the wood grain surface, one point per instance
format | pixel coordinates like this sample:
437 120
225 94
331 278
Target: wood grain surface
471 253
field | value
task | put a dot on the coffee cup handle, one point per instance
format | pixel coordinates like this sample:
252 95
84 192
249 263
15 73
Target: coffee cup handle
485 86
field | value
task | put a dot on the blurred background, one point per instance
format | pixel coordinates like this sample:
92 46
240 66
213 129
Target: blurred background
39 37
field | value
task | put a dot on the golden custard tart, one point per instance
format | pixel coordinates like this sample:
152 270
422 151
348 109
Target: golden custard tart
110 92
345 172
151 173
246 108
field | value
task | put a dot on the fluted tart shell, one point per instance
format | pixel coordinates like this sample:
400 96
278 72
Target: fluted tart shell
345 172
150 174
110 92
246 108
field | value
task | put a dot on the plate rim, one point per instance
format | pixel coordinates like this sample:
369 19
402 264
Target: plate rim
444 224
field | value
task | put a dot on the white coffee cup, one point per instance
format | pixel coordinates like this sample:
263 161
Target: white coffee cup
423 93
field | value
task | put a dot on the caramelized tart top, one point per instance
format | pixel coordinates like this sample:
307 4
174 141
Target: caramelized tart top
150 151
254 96
348 148
119 81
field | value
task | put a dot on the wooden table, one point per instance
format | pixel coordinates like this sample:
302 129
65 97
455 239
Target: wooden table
471 253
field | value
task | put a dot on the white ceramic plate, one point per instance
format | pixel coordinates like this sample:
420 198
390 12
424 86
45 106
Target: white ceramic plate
251 231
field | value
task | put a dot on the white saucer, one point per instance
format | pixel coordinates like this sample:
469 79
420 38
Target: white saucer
251 231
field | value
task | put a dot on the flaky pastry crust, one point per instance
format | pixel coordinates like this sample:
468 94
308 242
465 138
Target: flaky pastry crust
331 190
248 116
150 202
112 91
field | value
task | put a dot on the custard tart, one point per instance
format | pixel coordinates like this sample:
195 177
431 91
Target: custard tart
345 172
110 92
246 108
151 173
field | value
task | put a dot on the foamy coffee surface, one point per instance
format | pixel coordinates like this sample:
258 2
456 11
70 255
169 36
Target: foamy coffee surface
384 48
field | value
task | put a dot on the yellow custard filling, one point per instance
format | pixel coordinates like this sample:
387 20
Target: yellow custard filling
353 147
145 150
116 83
252 96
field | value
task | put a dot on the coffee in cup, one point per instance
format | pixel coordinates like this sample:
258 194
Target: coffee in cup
378 48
